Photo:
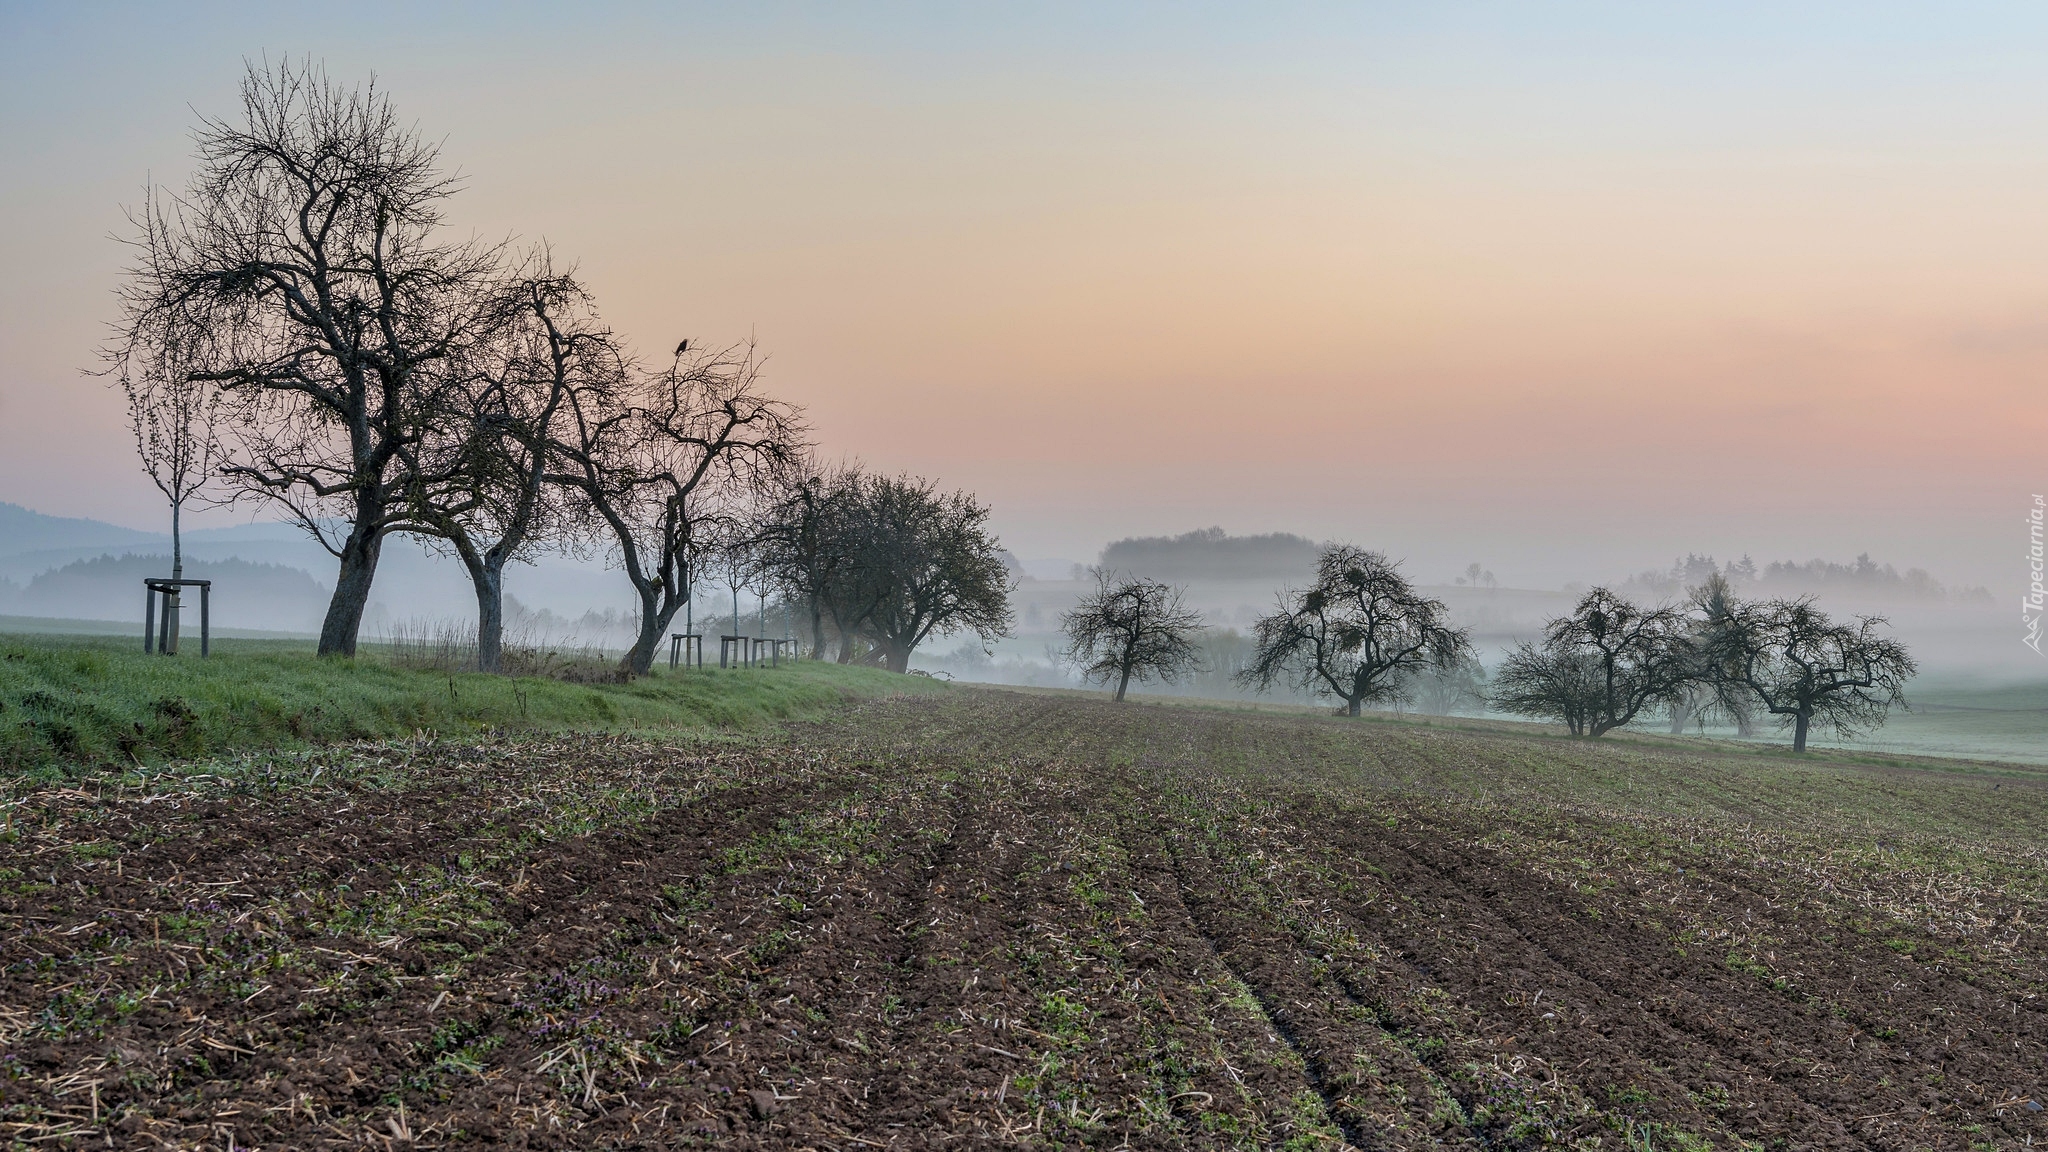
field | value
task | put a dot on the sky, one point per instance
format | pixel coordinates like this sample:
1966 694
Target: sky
1566 289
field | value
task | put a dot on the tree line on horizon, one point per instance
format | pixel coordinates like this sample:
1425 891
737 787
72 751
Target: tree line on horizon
298 328
1361 633
1862 574
1214 554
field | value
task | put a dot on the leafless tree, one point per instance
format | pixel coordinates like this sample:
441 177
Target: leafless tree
1131 627
174 418
480 477
1357 633
1600 667
307 249
1554 681
1802 667
660 468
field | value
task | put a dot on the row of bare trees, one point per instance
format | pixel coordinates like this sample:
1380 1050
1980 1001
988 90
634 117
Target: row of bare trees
1361 633
299 327
1611 661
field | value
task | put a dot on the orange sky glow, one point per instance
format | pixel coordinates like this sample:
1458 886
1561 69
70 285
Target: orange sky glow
1459 286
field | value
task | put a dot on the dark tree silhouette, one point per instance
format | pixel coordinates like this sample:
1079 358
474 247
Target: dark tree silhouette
307 250
809 547
1547 681
1357 633
1803 667
928 565
480 487
1130 627
667 468
1600 667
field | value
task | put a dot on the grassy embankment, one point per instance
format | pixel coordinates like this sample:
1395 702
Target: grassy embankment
74 701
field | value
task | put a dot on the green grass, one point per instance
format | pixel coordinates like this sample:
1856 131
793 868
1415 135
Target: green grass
70 702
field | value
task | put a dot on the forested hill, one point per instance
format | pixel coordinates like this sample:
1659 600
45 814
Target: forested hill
24 530
1213 554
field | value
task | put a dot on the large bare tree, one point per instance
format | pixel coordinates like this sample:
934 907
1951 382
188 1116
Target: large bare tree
665 468
480 480
1358 633
308 249
1602 666
1131 627
1803 667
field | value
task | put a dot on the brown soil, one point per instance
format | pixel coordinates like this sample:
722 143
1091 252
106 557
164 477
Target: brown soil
881 934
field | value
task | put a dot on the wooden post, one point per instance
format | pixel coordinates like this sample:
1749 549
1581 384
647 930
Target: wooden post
148 618
205 610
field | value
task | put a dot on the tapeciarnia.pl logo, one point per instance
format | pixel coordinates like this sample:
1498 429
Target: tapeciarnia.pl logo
2036 599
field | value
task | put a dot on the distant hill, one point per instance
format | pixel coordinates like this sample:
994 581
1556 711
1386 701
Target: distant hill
24 530
1213 554
245 595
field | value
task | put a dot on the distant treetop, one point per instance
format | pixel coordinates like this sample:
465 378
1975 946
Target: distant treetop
1213 554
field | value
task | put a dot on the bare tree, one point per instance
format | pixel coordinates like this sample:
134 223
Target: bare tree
929 565
1131 627
657 470
480 483
306 248
1602 666
1802 667
1559 682
174 418
1357 633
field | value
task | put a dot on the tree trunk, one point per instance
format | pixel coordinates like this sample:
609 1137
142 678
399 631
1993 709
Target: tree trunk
1799 723
899 659
1123 683
172 602
654 622
490 618
1351 707
817 633
1681 715
351 592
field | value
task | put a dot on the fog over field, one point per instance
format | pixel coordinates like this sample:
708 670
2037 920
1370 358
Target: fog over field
1389 576
1531 303
1980 690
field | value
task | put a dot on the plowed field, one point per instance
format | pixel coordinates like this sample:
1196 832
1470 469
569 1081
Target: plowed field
983 917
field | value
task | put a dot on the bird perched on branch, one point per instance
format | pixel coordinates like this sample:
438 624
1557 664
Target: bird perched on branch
682 348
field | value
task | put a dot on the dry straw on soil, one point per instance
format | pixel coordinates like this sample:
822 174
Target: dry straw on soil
1027 920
